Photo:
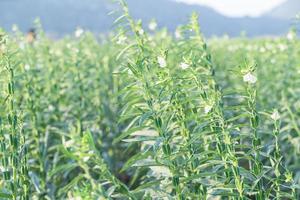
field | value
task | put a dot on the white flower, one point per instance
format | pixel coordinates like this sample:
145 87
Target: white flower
129 72
141 31
273 61
161 61
2 47
164 34
184 65
290 35
275 115
282 47
27 67
207 108
22 45
152 26
177 34
86 158
121 39
2 169
51 108
68 143
15 28
249 78
78 32
262 50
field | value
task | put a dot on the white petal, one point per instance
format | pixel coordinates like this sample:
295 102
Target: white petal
152 26
78 32
177 34
121 39
207 108
141 31
184 65
275 115
249 78
27 67
161 61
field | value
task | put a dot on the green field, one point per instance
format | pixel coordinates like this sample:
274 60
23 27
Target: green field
149 115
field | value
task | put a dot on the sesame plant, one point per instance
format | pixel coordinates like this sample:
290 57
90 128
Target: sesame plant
14 169
143 113
231 162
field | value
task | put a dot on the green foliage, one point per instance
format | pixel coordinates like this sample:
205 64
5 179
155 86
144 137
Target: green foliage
13 154
148 116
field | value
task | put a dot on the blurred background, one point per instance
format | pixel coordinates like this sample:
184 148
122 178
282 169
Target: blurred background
217 17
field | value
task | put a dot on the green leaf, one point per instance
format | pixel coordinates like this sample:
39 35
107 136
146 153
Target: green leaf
126 134
5 195
124 51
135 158
71 184
62 168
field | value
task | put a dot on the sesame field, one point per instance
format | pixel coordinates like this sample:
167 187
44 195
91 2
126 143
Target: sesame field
146 113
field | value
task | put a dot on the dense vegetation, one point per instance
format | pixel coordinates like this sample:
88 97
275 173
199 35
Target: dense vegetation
149 115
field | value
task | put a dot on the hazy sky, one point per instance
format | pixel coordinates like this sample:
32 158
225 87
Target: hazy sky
238 7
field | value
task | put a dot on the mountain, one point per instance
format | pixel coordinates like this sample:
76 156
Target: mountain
57 16
63 16
286 10
171 14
